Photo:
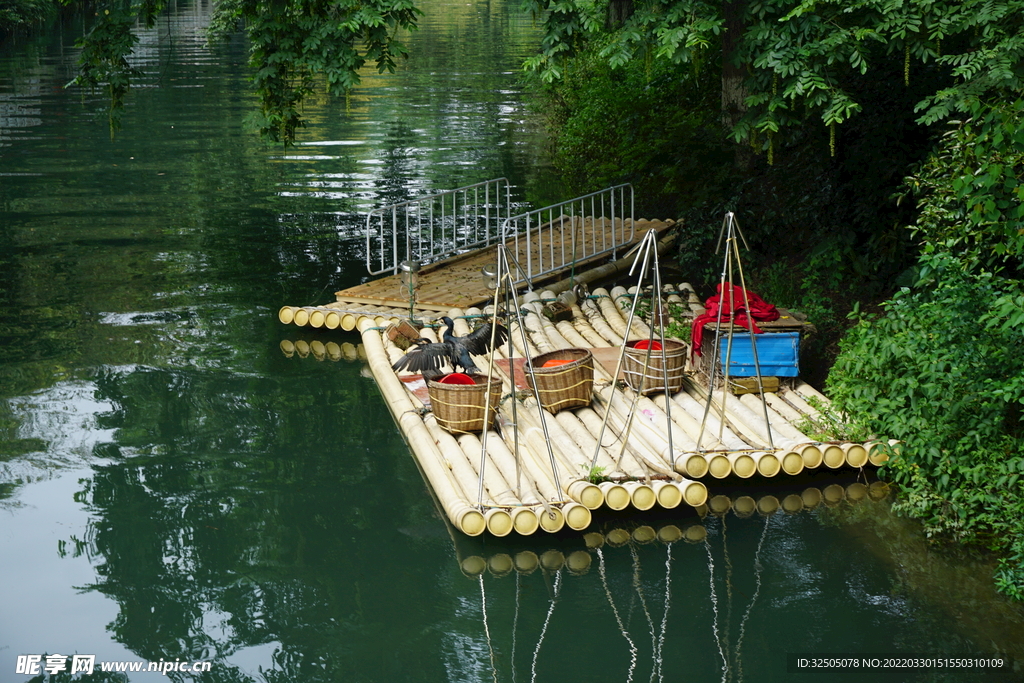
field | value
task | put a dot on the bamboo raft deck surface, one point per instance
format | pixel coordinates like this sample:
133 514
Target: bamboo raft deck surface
532 498
456 282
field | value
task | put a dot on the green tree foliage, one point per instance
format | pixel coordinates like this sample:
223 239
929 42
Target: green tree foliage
641 123
942 369
972 190
18 13
800 53
107 47
295 44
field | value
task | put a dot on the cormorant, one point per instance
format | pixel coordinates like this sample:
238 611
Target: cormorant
427 358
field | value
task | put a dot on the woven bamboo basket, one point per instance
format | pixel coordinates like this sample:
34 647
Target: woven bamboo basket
563 386
459 408
651 378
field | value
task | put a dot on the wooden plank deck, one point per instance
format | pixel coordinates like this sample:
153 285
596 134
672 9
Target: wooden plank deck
457 282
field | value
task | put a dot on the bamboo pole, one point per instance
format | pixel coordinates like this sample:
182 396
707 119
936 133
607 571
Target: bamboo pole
655 455
460 466
719 465
611 314
877 454
799 403
856 454
465 518
568 453
642 495
743 464
807 391
582 325
577 516
600 325
639 328
832 455
668 496
497 485
768 464
616 497
583 492
586 442
631 464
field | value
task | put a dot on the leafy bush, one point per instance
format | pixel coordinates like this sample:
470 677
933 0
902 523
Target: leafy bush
972 190
942 372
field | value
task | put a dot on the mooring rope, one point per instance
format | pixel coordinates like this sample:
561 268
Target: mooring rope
544 628
714 606
515 624
643 602
487 630
753 599
664 617
618 619
728 586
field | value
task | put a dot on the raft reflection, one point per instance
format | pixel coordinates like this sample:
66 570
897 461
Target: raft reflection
526 561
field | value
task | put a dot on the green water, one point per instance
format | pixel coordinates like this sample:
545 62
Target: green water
174 487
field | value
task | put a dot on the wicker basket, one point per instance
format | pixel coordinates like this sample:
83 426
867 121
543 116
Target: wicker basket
563 386
459 408
650 378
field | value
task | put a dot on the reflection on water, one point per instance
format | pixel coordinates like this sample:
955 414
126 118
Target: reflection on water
182 477
723 598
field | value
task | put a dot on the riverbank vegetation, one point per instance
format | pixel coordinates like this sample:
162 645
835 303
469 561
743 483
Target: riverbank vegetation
876 173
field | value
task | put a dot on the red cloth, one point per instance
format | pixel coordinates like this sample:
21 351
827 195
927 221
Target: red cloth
733 307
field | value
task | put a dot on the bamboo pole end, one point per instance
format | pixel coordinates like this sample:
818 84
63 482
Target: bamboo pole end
694 493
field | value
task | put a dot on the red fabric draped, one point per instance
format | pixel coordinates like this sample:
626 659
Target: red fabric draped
733 307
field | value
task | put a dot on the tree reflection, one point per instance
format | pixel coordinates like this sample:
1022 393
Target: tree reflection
241 512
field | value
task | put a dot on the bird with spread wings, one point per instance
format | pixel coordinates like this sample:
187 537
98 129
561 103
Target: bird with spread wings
428 358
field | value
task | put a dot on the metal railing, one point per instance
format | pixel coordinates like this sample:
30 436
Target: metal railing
548 239
430 228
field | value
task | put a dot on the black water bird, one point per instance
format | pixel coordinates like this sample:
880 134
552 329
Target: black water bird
428 358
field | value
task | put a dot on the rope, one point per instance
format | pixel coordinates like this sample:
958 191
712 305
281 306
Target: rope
487 630
515 623
643 601
618 619
714 606
544 628
753 599
658 661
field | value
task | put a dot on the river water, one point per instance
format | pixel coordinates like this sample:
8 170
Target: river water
175 488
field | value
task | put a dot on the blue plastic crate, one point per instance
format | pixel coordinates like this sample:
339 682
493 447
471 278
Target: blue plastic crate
777 352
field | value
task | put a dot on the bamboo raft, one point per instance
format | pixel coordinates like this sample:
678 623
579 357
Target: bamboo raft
640 471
